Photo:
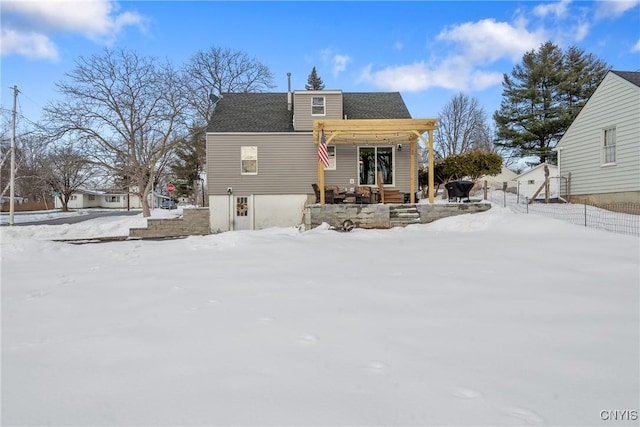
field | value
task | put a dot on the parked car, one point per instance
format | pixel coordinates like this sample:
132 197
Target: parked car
169 204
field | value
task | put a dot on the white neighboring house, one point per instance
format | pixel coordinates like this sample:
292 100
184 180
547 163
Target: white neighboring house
599 155
527 183
496 181
82 199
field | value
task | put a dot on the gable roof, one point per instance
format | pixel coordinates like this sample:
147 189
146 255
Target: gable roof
631 76
552 169
374 105
267 112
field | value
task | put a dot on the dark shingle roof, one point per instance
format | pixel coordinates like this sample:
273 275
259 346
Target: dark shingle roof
267 112
632 76
374 105
251 112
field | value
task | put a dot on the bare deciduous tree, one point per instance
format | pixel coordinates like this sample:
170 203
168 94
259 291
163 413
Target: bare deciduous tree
67 170
213 72
219 70
462 127
120 105
30 148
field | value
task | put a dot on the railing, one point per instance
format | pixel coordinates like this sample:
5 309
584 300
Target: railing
621 218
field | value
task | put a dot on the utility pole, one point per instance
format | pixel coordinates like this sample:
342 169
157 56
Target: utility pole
12 179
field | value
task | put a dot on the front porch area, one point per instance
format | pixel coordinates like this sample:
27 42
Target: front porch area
383 216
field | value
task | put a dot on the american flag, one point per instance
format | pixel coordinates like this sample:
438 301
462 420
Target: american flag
323 156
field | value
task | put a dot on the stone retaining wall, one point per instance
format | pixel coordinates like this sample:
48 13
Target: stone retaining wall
379 215
194 221
430 213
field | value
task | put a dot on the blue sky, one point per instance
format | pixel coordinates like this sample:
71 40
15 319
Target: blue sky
428 51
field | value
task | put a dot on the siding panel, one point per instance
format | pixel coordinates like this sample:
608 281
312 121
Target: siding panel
302 118
287 164
616 102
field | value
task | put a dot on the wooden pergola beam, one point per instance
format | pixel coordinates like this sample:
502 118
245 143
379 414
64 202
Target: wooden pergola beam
378 132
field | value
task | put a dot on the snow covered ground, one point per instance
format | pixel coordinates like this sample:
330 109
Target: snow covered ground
486 319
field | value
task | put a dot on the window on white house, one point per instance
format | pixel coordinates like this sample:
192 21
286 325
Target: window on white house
531 181
317 106
73 197
609 146
112 199
92 197
372 160
249 160
331 151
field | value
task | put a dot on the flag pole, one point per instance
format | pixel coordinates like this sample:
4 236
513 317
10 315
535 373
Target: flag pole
321 171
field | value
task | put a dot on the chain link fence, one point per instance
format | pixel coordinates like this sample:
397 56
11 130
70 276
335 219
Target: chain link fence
621 218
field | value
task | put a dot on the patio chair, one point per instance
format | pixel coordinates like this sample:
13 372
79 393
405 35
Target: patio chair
331 194
364 193
336 195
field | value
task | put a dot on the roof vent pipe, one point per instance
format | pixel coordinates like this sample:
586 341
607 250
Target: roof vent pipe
289 103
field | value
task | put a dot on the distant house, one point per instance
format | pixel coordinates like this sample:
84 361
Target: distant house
529 182
599 155
262 152
497 181
16 199
108 199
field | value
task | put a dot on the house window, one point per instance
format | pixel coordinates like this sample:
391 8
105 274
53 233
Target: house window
92 197
73 197
249 162
372 160
112 199
242 208
331 151
317 106
609 146
531 181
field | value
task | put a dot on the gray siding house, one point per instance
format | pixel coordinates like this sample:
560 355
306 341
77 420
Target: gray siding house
599 155
262 159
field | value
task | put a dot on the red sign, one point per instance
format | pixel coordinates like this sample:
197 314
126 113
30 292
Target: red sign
171 188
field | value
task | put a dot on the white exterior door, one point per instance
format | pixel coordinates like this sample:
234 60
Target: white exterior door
242 213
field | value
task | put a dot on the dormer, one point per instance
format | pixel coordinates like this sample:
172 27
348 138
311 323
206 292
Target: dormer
310 105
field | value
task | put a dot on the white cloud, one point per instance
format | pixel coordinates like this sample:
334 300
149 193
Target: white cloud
484 79
340 63
474 45
97 20
559 9
30 45
398 46
488 40
614 8
581 31
454 73
636 47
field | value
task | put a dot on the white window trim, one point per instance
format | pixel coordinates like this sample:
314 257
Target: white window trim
324 106
393 162
333 160
242 172
604 162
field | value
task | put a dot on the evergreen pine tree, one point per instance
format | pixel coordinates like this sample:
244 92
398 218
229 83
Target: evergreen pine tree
313 81
189 165
541 98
